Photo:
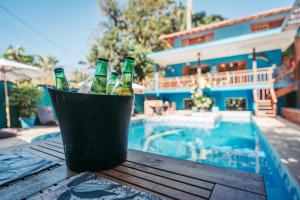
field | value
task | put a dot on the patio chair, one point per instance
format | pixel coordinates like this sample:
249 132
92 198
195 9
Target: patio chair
157 110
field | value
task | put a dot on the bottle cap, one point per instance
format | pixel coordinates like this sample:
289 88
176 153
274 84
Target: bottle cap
129 58
102 60
114 72
58 69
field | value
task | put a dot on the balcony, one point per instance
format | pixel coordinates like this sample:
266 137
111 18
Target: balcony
247 78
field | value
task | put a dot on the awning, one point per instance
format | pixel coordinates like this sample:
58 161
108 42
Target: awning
261 41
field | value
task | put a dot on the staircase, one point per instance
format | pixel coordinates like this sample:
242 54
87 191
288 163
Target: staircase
265 102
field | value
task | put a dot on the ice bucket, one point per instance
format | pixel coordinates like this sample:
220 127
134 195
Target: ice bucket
94 128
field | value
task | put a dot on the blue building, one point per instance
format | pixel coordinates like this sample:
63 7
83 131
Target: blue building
239 60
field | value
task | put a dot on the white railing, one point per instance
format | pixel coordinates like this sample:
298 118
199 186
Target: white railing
221 79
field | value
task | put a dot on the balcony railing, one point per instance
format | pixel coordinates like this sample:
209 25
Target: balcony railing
221 79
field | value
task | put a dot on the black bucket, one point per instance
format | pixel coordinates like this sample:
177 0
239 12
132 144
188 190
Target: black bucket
94 128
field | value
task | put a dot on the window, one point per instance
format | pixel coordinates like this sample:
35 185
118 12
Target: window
197 39
266 25
237 104
232 66
188 104
193 69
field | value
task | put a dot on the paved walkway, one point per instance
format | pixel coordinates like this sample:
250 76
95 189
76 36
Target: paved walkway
285 138
25 136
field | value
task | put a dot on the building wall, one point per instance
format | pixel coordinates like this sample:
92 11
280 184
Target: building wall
177 98
139 103
274 56
13 111
218 96
229 31
221 96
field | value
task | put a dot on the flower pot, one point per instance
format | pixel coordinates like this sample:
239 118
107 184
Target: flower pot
94 128
29 121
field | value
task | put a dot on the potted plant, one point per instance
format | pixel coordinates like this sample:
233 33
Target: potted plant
201 101
25 97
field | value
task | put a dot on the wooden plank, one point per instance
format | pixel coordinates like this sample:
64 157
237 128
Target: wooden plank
48 151
227 193
149 185
51 147
233 178
44 155
132 186
21 190
54 144
184 187
166 174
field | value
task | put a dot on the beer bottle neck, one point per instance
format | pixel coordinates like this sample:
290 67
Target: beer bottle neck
60 74
113 77
128 66
101 69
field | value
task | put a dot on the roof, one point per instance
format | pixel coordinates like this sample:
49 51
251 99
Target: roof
227 23
243 44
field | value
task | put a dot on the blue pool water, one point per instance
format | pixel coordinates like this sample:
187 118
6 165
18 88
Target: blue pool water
232 145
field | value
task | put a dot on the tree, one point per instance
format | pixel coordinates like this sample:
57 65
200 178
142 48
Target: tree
78 76
93 55
135 31
18 54
201 18
46 62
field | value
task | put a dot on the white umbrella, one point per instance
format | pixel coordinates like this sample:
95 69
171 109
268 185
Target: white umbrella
14 71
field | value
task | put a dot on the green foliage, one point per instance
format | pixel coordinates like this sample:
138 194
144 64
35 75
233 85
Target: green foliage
25 96
18 54
202 18
77 76
200 100
135 31
46 62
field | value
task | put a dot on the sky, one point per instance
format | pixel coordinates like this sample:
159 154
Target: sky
71 23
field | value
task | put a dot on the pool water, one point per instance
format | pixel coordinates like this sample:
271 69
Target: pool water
232 145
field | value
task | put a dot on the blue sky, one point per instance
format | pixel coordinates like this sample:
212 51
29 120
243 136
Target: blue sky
72 22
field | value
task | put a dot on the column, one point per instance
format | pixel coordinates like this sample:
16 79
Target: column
156 76
254 67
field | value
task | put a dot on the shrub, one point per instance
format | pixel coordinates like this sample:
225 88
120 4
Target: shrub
200 100
25 97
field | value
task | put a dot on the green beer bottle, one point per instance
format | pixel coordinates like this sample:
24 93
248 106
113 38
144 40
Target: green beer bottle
100 78
125 86
60 79
111 82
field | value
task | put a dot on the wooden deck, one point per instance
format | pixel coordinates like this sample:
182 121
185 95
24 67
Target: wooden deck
166 177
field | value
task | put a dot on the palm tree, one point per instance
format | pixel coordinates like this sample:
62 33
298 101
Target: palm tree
18 54
46 62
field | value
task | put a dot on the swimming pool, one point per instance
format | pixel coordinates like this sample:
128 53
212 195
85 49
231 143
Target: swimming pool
229 144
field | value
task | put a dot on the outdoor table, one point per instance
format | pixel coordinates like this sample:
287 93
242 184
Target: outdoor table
166 177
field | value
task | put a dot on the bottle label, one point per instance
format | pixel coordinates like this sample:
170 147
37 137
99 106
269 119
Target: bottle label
99 85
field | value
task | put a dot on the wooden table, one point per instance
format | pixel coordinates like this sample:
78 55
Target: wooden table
166 177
